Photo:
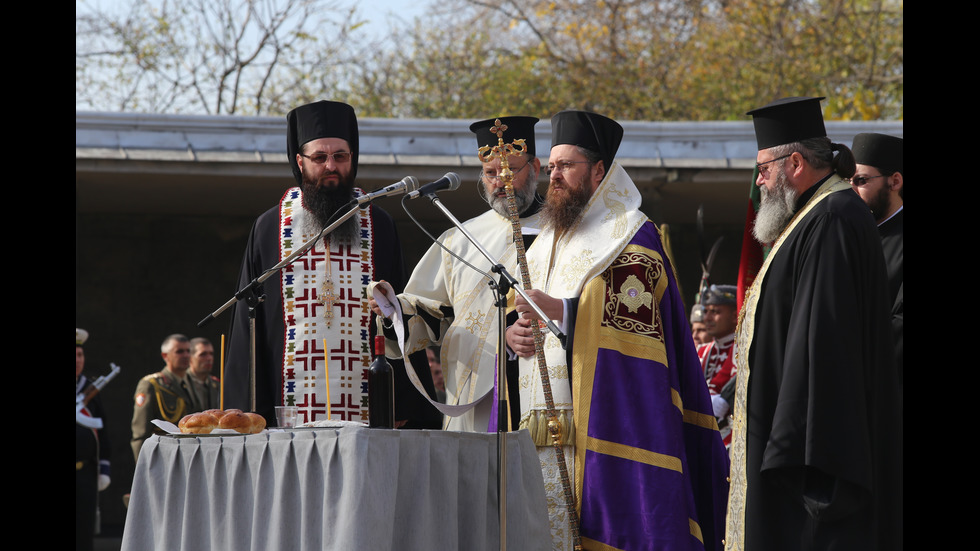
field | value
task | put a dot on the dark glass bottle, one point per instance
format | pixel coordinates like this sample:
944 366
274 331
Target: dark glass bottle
381 389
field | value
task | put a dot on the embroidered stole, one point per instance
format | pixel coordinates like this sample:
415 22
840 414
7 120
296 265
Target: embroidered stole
324 304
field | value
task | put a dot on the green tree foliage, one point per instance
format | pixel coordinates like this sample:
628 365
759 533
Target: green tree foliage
628 59
645 59
849 51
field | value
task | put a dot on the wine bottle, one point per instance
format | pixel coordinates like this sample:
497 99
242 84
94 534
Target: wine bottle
381 389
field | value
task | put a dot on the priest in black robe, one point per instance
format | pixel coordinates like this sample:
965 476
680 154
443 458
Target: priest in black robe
878 180
313 330
817 444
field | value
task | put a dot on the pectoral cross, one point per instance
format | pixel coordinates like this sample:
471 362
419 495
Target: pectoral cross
328 296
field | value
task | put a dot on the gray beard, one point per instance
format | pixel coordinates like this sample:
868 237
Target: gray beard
775 210
522 199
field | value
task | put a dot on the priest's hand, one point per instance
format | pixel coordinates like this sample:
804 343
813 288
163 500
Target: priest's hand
383 288
552 307
520 339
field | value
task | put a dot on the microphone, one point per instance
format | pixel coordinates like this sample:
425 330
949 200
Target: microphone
408 183
450 181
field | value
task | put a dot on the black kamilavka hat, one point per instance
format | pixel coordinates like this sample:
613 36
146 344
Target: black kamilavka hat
589 130
878 150
788 120
321 119
516 128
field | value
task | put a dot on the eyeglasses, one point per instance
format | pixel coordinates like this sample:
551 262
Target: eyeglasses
491 175
563 166
763 169
339 157
861 180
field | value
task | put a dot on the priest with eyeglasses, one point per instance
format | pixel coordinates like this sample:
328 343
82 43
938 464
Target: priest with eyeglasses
314 328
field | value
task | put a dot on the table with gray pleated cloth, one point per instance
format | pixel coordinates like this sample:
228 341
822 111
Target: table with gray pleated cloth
335 489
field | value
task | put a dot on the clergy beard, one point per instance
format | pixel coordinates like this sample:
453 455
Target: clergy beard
324 201
522 198
775 209
562 211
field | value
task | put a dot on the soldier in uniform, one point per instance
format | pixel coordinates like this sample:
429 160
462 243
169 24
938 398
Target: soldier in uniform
718 354
92 452
698 329
164 395
206 387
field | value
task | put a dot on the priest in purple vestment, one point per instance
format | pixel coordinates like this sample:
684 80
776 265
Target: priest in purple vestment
642 448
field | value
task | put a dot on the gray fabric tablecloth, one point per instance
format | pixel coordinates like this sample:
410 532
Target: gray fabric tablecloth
335 489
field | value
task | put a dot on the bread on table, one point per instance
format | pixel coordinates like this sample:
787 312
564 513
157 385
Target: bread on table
198 423
237 421
258 422
234 419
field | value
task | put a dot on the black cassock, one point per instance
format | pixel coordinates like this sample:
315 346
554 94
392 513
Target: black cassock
893 243
262 253
824 420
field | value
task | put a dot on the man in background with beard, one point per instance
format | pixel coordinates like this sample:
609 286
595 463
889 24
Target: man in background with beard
448 302
817 441
878 180
319 300
639 437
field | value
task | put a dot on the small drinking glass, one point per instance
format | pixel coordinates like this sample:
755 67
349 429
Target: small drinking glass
286 416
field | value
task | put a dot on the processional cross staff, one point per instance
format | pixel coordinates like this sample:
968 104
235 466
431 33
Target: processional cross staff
502 151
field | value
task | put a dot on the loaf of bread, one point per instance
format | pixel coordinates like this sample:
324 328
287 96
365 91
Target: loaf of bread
234 419
222 413
258 423
197 423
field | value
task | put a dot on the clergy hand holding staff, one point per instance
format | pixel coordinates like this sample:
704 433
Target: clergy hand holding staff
599 267
447 301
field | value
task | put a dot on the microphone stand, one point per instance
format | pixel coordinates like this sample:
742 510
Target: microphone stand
501 288
248 293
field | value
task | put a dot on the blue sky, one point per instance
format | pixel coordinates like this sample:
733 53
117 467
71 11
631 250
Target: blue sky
379 12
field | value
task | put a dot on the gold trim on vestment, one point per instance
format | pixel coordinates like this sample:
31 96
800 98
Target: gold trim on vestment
699 419
632 453
695 529
631 344
584 355
593 545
